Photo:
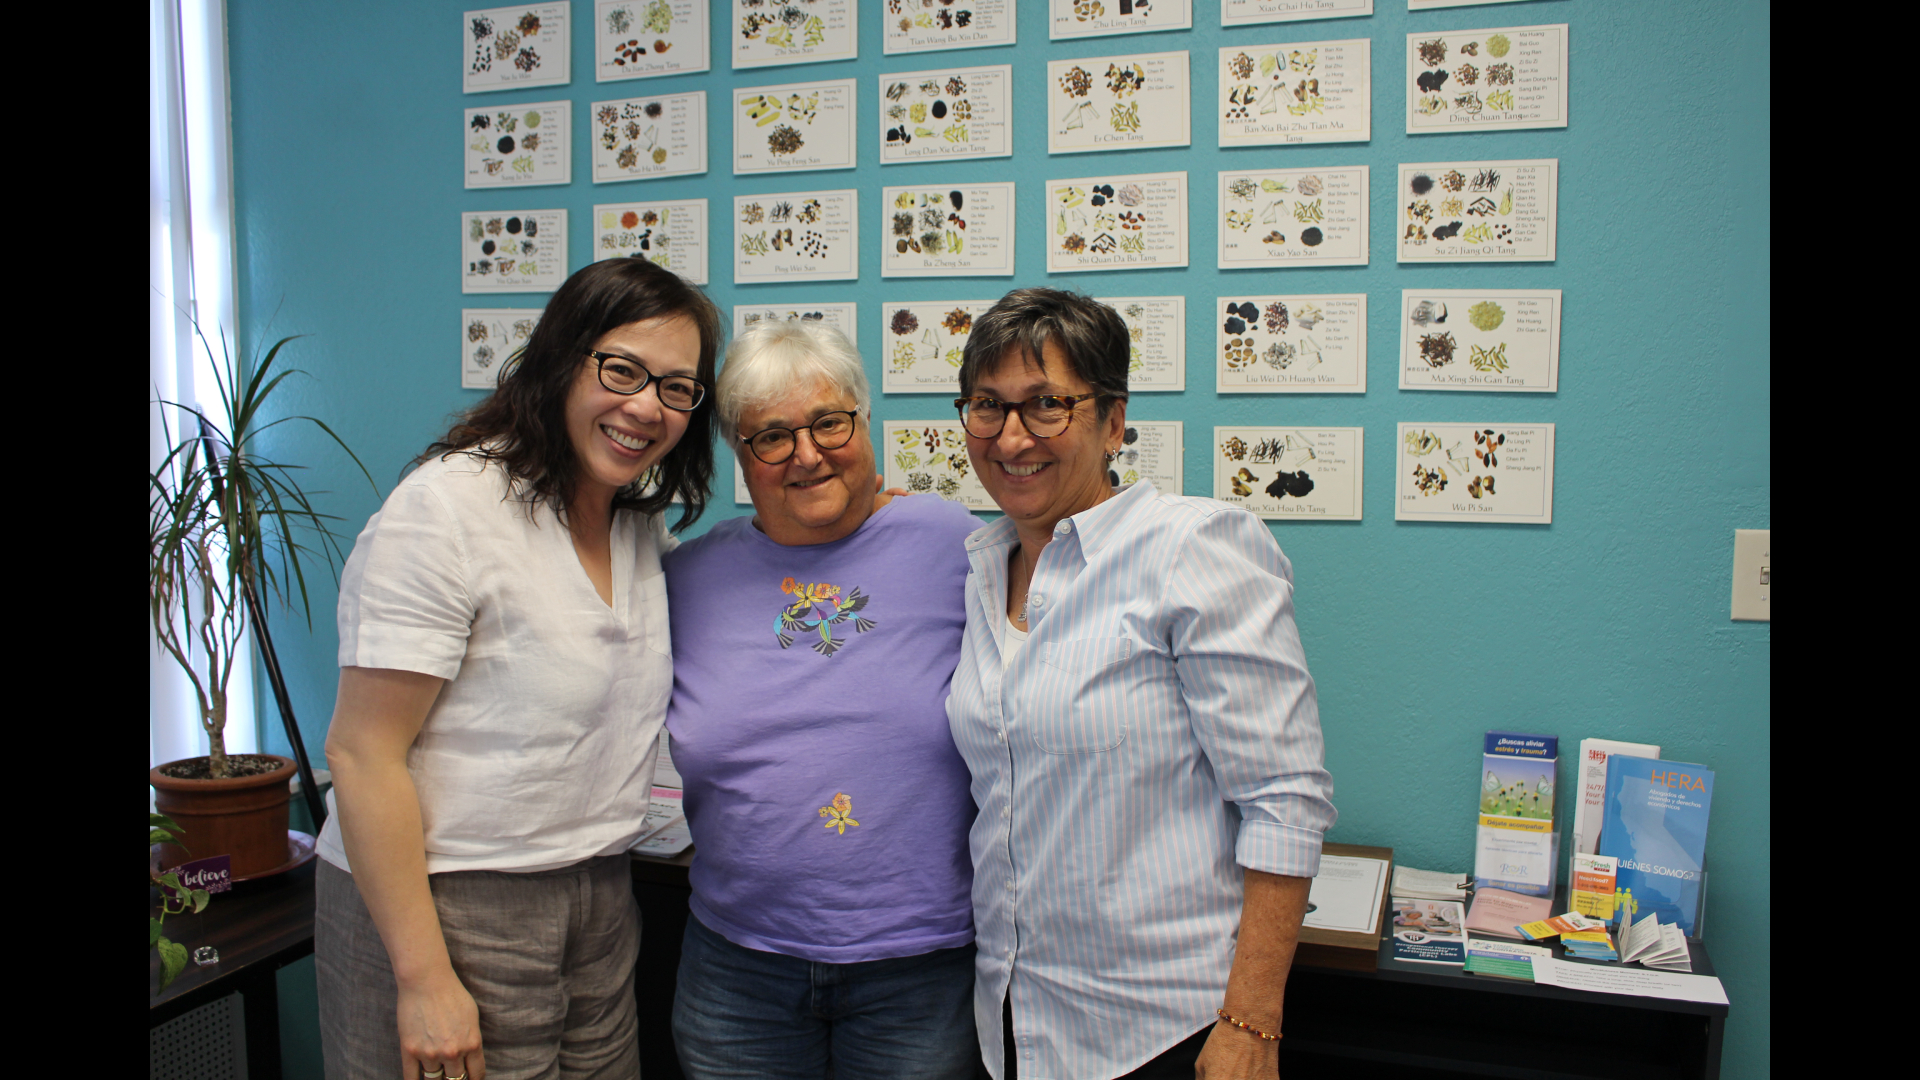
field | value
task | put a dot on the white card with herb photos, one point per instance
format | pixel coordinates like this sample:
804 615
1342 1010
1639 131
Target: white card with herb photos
1151 450
671 235
1480 339
842 317
521 146
645 39
513 48
1475 472
489 337
1118 103
511 251
938 231
767 33
1293 217
1292 344
1136 222
1290 473
1156 340
950 113
931 455
795 235
1487 80
794 127
1101 18
1479 211
1254 12
646 138
1434 5
1296 92
915 26
922 342
741 495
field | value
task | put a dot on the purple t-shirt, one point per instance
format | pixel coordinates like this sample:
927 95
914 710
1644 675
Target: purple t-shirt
828 806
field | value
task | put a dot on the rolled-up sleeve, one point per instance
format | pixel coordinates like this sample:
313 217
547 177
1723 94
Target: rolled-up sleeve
1244 675
404 600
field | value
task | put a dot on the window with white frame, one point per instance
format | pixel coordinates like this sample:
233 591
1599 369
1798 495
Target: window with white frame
190 270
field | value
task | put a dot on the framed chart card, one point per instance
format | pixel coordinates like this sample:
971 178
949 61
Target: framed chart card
1475 472
510 251
946 113
1101 18
796 235
1290 473
513 48
794 127
1121 222
646 138
767 33
645 39
910 26
668 234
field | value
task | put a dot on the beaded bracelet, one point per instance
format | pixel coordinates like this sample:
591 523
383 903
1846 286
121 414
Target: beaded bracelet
1244 1026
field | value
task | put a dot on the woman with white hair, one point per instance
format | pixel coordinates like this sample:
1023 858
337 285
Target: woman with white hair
831 930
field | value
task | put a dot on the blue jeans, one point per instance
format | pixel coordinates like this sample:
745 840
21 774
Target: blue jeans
743 1014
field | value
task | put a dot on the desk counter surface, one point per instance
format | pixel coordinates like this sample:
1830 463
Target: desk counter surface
265 921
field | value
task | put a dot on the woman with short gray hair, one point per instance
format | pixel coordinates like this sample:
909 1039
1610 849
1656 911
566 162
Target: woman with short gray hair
1134 703
831 932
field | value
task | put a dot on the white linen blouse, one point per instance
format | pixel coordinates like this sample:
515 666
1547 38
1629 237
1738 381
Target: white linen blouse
539 751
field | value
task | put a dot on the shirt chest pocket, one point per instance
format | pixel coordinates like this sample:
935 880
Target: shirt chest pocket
1079 706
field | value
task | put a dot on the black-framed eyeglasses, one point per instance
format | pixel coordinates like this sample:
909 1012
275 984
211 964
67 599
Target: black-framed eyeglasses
829 431
624 375
1044 416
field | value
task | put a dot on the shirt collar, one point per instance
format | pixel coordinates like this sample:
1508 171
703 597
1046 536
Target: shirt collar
1098 524
1095 524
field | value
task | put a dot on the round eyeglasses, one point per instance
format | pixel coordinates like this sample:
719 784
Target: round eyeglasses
829 431
623 375
1044 416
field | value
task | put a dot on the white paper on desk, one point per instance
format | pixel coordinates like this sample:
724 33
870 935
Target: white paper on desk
665 830
1672 954
664 774
1639 938
1613 979
1428 884
1346 894
668 842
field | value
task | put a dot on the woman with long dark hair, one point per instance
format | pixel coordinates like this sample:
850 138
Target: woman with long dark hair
505 669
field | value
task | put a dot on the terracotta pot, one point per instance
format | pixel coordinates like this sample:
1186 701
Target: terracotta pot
244 817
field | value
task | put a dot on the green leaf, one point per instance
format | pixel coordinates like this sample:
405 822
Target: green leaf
200 898
173 960
162 821
170 880
153 931
162 836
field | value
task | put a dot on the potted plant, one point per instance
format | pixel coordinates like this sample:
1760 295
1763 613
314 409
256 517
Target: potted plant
176 898
231 531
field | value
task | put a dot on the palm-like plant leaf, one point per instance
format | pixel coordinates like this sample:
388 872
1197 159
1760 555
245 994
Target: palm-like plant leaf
229 526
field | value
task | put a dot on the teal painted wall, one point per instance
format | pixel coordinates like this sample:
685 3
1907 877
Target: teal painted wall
1610 622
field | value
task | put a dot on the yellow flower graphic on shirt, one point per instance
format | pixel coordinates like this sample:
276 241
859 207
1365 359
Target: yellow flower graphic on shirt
840 814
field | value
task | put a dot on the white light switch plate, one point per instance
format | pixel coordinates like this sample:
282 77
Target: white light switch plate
1752 566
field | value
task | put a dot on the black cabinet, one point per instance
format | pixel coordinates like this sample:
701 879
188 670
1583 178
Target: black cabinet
1403 1021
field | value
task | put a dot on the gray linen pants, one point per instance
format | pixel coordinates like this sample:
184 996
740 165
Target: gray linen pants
548 957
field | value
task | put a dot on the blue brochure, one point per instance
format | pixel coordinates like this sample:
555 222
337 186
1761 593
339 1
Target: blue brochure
1656 824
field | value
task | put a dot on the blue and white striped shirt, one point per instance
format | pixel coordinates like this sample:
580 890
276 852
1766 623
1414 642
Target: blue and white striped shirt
1158 727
